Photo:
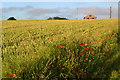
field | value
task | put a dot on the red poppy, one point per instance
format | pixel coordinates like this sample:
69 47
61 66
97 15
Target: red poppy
69 50
81 73
19 77
6 73
76 57
72 53
51 40
86 48
20 71
108 35
39 57
103 41
91 49
97 40
58 58
90 52
64 38
91 42
81 53
82 44
64 57
102 51
113 35
61 46
27 65
107 52
11 75
104 37
23 67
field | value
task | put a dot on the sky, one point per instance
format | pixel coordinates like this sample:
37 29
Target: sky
43 10
60 0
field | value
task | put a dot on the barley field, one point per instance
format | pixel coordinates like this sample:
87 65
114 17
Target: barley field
54 49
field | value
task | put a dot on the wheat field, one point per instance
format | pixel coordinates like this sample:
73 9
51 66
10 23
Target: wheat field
60 49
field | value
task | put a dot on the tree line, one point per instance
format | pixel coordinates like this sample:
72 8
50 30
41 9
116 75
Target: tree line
56 18
50 18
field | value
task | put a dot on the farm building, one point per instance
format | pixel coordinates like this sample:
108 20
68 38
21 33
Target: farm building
90 16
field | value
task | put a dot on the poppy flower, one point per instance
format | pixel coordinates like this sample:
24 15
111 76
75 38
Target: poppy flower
86 48
103 41
65 57
11 75
91 42
81 53
51 40
20 71
19 77
82 44
61 46
97 40
107 52
6 73
104 37
90 52
108 35
58 58
72 53
69 50
76 57
23 67
113 35
102 51
64 38
91 49
39 57
27 65
81 73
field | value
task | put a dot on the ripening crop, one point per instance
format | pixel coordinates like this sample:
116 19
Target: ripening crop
60 49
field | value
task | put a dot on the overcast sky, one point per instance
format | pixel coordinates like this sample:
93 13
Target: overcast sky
70 10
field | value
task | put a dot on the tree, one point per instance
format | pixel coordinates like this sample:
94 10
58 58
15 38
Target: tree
57 18
50 18
11 18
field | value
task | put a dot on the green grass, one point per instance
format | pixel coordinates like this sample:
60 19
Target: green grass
24 42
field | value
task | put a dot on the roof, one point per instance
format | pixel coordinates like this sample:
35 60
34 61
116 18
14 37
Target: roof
90 15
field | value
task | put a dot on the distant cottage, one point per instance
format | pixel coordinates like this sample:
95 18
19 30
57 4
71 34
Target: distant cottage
90 16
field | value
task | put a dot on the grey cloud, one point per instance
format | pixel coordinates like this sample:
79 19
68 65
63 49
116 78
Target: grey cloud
38 13
72 13
41 11
95 11
9 9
